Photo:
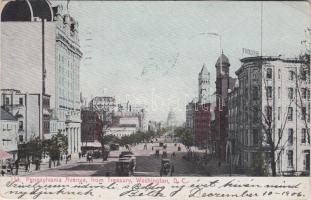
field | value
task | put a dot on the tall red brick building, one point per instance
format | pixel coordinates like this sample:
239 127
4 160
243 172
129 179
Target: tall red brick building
220 125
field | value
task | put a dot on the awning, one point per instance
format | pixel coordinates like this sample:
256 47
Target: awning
5 155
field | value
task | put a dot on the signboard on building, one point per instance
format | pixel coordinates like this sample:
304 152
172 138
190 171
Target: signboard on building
249 52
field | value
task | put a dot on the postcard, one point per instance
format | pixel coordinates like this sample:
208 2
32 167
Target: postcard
155 99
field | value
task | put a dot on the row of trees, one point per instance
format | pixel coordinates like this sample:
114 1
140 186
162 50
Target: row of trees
37 147
129 140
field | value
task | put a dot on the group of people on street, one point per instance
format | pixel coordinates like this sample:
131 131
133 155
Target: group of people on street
12 167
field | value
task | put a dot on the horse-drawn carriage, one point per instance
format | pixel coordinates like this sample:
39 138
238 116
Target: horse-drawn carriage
166 167
126 165
124 168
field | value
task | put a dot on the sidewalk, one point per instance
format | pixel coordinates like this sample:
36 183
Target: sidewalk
44 166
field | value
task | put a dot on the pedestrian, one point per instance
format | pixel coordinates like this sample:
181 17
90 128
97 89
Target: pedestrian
10 167
79 155
28 162
26 166
16 166
172 170
50 163
2 172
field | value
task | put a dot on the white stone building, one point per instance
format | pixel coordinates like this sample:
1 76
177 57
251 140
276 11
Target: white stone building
271 89
9 135
44 58
25 107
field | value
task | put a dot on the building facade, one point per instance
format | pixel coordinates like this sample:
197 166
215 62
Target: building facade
42 43
26 109
204 84
91 128
275 90
9 133
199 111
223 83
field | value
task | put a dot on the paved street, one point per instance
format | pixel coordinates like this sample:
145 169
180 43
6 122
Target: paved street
147 164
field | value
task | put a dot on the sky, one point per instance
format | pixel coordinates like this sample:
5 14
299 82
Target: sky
151 52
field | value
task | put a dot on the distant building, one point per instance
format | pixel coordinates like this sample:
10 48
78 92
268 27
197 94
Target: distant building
171 119
190 116
204 86
91 126
9 133
120 131
271 88
91 129
104 106
202 123
199 111
154 126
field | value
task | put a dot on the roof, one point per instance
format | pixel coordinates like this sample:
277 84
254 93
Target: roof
204 70
222 59
26 10
5 115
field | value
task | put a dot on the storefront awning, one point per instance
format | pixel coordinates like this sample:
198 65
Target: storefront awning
5 155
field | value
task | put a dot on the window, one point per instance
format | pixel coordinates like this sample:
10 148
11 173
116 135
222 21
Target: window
303 113
246 93
269 112
279 92
303 135
290 136
255 93
304 93
269 73
255 137
21 101
246 139
279 113
7 101
304 75
20 125
279 134
290 158
290 93
290 113
291 75
269 92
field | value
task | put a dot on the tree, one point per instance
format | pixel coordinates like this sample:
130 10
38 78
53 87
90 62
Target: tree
34 148
56 146
185 136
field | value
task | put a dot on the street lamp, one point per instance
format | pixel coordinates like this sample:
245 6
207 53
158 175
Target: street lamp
220 47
